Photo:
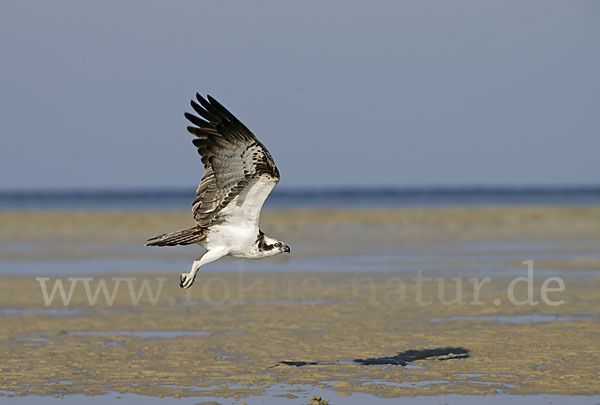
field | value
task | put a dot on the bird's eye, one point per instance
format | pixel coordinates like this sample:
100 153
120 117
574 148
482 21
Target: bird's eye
278 244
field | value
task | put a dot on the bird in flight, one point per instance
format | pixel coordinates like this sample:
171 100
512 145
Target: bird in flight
239 174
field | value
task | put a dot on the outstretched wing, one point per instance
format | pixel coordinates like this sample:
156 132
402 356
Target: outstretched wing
236 164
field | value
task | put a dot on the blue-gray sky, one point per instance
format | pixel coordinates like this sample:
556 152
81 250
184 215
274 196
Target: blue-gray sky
370 93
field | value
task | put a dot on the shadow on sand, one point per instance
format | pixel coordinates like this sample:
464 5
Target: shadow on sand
400 359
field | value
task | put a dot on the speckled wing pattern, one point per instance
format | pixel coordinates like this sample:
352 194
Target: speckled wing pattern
232 156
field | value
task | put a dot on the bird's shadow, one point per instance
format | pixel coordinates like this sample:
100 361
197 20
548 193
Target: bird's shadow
400 359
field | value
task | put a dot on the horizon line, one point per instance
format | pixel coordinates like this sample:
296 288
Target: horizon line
319 190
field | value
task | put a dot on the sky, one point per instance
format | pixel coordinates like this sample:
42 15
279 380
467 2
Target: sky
342 93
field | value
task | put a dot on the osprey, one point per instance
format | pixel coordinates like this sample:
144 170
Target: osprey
239 174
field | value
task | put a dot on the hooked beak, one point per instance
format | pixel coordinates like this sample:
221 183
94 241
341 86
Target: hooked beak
286 249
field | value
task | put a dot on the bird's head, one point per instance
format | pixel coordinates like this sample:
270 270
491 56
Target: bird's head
271 247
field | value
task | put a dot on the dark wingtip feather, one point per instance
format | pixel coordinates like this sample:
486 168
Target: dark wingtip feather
198 132
217 115
199 122
197 107
204 103
219 107
219 110
199 142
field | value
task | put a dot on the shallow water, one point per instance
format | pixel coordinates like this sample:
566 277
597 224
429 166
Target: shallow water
435 260
58 312
562 242
147 334
527 318
284 329
276 395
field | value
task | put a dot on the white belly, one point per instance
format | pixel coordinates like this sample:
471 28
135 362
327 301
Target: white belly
236 239
237 224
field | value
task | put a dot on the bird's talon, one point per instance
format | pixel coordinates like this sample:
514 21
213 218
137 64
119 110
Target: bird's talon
185 281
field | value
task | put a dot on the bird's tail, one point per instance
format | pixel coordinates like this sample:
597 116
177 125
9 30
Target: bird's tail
186 237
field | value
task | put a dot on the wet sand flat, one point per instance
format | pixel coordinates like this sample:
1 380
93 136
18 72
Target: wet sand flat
376 329
231 339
